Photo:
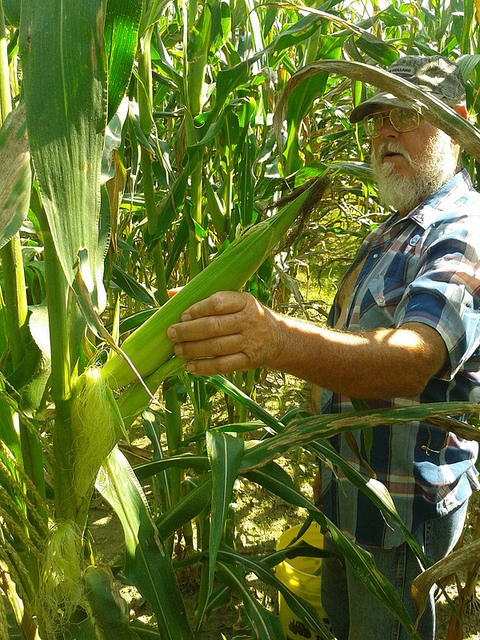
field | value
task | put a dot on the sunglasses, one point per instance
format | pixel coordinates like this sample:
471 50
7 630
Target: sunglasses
401 119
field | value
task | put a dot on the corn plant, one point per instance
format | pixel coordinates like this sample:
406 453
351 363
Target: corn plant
138 152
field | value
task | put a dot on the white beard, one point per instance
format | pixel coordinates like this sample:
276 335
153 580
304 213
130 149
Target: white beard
433 169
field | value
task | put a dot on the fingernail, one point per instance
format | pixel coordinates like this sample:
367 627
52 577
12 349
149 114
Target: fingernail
171 333
190 367
177 350
185 316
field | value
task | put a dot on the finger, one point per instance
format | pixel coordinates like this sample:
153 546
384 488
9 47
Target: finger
205 327
174 290
223 302
223 364
211 348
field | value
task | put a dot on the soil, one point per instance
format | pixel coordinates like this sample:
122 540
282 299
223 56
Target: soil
260 519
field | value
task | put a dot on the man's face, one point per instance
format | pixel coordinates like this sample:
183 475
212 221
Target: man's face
410 166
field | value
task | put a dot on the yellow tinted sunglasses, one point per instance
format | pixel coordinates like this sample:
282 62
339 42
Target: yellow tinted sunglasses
401 119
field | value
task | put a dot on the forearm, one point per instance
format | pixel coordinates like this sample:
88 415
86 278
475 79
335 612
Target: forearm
366 364
231 331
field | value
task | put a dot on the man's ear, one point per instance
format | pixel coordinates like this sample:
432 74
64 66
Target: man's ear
461 109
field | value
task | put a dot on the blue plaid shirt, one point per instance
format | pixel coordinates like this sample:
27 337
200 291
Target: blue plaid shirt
425 268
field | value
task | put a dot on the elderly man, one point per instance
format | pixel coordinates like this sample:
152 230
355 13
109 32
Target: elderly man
404 328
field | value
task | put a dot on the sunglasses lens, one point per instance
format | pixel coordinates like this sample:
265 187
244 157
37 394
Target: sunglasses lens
373 124
404 119
401 119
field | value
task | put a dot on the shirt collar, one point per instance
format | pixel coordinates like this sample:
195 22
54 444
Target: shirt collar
428 211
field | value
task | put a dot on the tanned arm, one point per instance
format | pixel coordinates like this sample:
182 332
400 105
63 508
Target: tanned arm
231 331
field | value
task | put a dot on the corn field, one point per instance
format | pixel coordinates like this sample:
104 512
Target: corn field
150 145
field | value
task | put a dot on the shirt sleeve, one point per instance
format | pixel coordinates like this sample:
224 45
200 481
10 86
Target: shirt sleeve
445 294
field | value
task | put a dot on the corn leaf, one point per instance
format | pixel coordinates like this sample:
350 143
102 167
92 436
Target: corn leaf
8 434
431 108
16 175
222 383
186 509
265 624
375 491
302 431
147 564
225 454
459 560
109 610
362 562
261 567
12 11
121 26
187 461
64 82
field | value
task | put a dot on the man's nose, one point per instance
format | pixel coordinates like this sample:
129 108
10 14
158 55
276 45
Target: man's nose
387 130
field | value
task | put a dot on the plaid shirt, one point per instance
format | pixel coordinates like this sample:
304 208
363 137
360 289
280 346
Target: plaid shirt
425 268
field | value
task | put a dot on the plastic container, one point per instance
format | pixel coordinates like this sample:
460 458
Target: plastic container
298 575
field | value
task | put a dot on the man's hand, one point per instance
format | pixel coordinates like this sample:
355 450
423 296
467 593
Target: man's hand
226 332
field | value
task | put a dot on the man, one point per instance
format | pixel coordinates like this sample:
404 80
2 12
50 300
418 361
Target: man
404 328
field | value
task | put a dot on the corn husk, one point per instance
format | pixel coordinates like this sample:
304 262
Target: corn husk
148 347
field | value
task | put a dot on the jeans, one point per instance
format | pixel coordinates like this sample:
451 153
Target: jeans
355 614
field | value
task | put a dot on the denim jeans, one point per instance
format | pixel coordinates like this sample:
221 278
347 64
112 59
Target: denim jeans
355 614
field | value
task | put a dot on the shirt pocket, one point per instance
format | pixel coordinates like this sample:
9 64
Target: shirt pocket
383 295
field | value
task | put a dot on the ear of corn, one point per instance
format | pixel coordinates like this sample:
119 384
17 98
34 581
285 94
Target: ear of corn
135 399
148 347
96 426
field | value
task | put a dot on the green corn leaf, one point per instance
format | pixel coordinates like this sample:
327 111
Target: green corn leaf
107 607
186 461
132 287
12 11
121 29
302 431
300 607
153 11
187 508
431 108
298 106
375 491
264 624
225 454
360 560
144 632
277 481
16 175
222 383
147 565
64 82
8 434
221 23
377 49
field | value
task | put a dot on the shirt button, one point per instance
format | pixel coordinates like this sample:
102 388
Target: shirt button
381 299
375 255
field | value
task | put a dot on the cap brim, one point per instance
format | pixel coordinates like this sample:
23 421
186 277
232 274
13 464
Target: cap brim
380 99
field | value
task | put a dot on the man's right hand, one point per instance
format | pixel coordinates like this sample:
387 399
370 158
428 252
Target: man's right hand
226 332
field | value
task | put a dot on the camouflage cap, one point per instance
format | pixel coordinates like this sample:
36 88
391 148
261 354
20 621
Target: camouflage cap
434 74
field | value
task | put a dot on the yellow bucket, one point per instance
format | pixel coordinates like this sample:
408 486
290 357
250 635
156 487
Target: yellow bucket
298 575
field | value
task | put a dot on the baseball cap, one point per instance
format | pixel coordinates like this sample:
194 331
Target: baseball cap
435 74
